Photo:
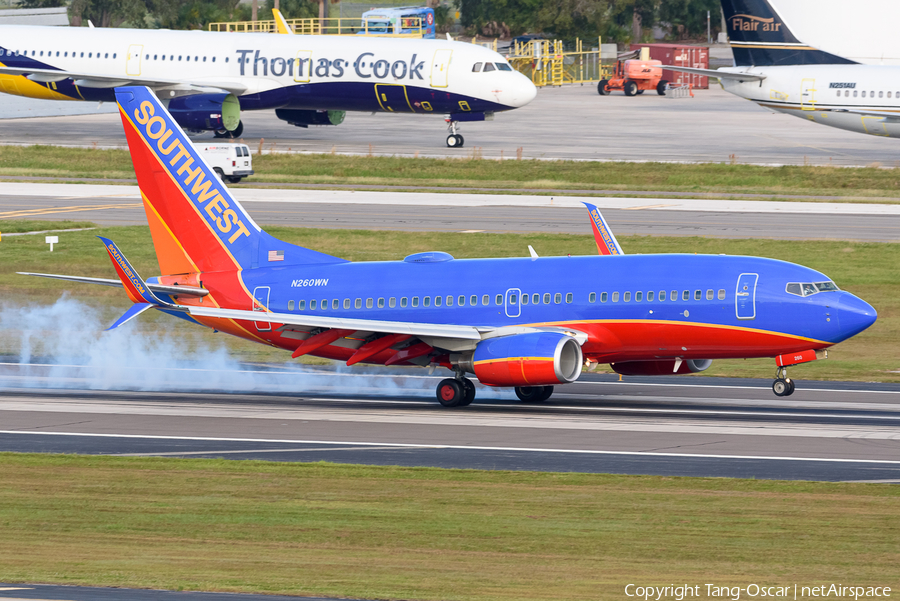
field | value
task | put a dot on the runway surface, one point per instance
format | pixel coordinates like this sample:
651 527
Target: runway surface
425 211
571 122
668 426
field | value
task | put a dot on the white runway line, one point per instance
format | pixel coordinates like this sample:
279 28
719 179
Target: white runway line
400 445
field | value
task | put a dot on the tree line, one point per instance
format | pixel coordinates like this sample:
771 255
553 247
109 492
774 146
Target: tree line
614 20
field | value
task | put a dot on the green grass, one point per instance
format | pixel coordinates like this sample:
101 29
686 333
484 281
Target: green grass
423 533
511 175
870 270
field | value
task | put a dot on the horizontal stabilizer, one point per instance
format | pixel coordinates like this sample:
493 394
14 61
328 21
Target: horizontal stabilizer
717 73
132 312
158 288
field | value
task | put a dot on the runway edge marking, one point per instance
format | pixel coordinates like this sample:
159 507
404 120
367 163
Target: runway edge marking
401 445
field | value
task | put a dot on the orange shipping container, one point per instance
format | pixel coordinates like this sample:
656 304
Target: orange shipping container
682 56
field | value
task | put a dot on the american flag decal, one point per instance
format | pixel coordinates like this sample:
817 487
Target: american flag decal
276 255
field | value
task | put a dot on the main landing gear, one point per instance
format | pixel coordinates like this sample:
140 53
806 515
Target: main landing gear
782 386
533 394
454 140
456 392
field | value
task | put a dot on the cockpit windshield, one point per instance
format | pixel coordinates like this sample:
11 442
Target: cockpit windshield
810 288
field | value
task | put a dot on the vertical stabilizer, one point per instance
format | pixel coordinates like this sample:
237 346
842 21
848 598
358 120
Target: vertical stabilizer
196 224
760 37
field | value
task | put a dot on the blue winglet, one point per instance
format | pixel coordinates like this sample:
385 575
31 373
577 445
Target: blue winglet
132 312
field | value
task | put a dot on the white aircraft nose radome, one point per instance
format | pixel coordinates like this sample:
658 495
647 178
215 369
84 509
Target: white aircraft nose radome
520 93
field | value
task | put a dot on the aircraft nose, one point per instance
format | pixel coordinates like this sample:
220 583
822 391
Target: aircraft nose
521 92
854 315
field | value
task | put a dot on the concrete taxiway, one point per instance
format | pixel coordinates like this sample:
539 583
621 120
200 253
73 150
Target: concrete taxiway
572 122
668 426
466 212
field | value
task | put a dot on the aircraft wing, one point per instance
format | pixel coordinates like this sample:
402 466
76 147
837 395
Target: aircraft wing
92 80
888 115
717 73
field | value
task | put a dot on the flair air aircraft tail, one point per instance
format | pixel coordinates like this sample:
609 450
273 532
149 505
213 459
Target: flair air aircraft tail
759 37
196 224
524 323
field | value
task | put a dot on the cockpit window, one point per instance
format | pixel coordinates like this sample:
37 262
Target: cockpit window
504 67
476 68
489 67
809 288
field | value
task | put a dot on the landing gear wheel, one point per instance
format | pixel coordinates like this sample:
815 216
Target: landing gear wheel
221 133
219 173
450 393
630 88
469 390
455 141
533 394
601 87
782 387
661 87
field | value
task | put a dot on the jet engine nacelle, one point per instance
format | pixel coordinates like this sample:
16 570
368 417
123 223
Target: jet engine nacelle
660 368
533 359
205 112
305 118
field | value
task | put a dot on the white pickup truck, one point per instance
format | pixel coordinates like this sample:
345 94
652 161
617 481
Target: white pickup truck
231 162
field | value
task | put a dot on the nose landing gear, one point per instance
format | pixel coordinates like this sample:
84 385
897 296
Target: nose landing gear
454 140
782 386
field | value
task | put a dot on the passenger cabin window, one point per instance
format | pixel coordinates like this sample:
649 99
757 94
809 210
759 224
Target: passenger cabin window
381 303
674 295
615 297
449 300
461 301
415 301
686 295
709 294
638 297
513 299
650 296
662 295
369 303
557 298
485 300
426 301
476 68
626 297
473 300
392 302
335 304
358 303
698 295
547 298
499 299
403 302
535 298
592 298
569 297
303 305
603 297
312 304
290 305
721 294
488 67
524 299
346 303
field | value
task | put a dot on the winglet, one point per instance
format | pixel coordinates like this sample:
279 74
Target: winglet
280 23
603 236
134 286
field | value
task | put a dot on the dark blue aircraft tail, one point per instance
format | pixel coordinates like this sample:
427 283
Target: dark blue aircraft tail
759 37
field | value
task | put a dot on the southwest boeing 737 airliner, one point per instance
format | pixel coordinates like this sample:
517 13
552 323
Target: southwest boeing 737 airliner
777 71
206 78
528 323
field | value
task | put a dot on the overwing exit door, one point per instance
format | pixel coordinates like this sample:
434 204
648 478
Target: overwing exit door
513 302
133 60
261 304
745 296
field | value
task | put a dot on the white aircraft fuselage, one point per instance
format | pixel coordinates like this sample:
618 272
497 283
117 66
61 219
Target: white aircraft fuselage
859 98
264 71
